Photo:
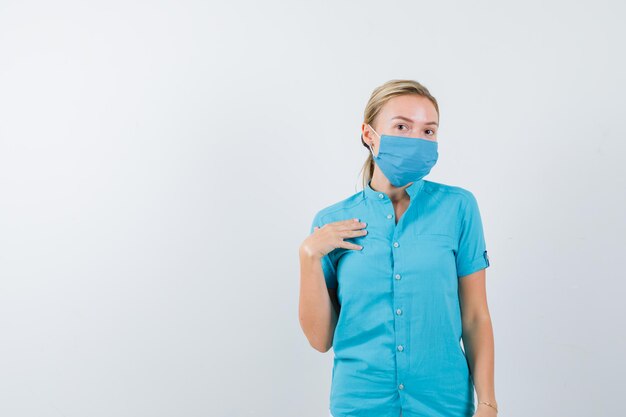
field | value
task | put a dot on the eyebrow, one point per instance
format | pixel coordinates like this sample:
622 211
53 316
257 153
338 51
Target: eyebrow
412 121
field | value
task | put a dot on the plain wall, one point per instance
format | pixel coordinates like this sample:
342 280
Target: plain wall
161 162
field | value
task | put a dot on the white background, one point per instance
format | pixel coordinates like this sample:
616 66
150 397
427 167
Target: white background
161 162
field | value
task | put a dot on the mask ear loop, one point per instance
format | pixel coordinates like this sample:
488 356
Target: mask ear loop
369 146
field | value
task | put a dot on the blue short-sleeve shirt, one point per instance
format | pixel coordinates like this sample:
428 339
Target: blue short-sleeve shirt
397 343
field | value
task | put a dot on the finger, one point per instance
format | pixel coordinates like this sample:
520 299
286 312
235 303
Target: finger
352 233
349 245
347 222
355 226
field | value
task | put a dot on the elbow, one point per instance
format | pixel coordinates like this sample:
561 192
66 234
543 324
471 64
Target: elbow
321 347
319 336
318 342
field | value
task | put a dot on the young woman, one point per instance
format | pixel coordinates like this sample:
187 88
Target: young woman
393 277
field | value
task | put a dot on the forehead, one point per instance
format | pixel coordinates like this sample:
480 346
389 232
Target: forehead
415 107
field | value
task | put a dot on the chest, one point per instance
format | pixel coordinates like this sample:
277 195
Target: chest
399 209
407 250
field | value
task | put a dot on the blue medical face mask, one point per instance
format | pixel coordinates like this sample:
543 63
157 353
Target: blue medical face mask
403 159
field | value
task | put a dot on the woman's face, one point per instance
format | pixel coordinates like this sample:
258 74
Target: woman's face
407 115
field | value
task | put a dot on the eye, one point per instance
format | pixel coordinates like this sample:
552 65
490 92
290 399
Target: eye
430 130
400 124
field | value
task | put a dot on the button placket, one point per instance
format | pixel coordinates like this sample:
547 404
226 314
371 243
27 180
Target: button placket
397 295
398 292
400 306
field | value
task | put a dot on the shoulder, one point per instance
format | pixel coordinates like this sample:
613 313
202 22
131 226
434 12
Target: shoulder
449 193
339 209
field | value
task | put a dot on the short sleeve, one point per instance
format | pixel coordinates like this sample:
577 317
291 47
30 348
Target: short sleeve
471 255
329 268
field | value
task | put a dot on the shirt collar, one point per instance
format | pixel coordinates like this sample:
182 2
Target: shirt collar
412 190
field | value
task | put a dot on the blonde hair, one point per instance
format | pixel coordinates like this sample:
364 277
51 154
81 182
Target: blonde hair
379 97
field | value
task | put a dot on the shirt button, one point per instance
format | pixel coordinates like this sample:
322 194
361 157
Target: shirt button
396 244
400 348
398 276
389 216
381 195
399 312
401 386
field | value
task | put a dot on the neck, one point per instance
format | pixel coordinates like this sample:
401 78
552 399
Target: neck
396 194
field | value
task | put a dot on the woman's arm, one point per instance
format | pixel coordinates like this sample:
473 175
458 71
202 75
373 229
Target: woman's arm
318 305
478 338
318 317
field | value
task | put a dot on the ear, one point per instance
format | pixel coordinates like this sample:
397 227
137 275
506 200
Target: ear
365 133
